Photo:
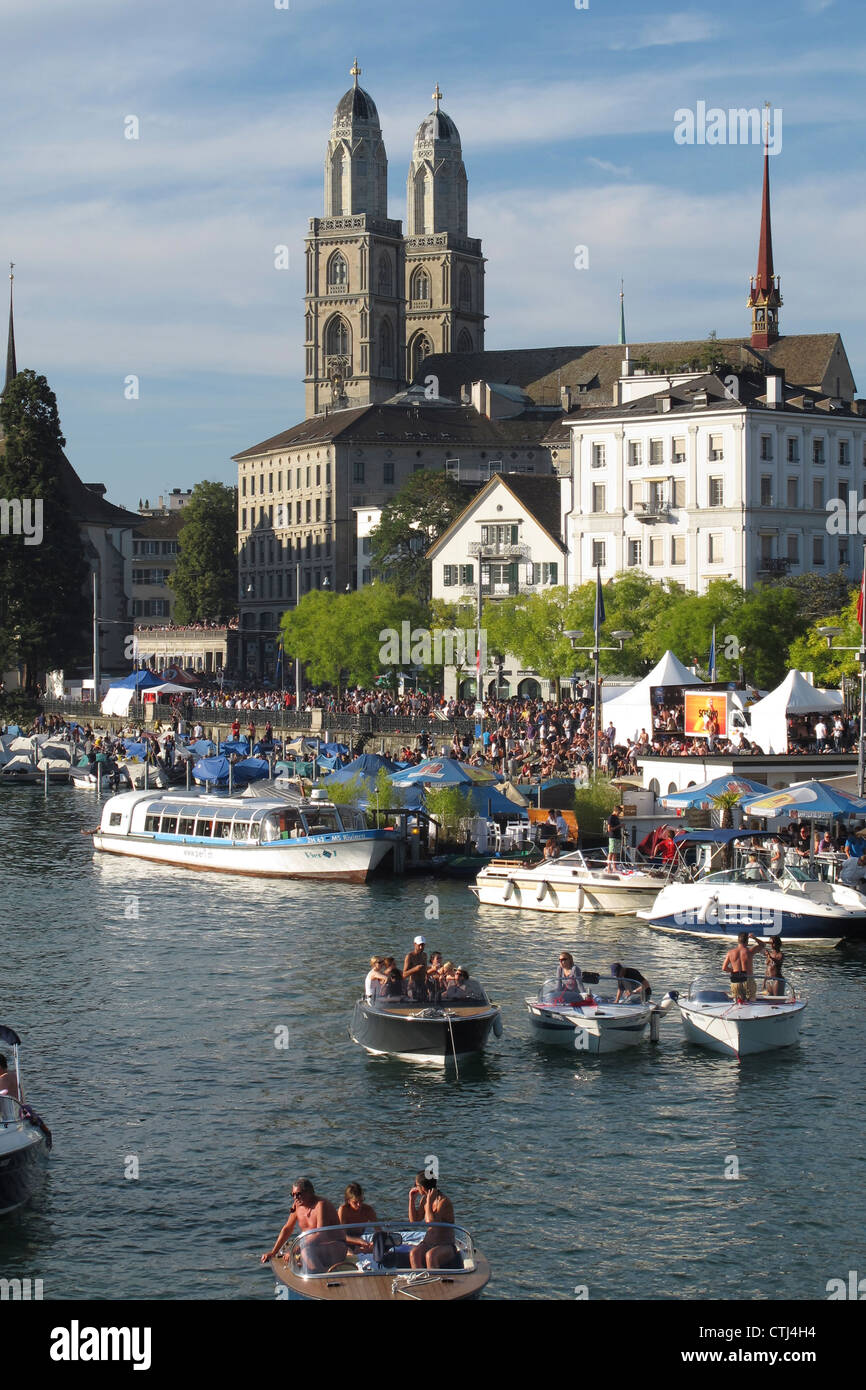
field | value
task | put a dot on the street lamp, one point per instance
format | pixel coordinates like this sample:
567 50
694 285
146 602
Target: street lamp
622 635
830 632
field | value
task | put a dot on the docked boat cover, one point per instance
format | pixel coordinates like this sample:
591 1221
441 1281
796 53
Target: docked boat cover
334 750
212 770
240 746
769 717
134 749
444 772
251 770
205 748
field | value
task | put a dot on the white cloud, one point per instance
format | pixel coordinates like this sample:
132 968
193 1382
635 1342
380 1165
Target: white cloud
667 30
622 170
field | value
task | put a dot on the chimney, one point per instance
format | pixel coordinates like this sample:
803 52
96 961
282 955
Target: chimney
774 392
565 397
663 404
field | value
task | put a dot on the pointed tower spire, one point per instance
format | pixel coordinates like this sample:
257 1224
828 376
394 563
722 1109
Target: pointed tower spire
355 72
765 299
622 338
11 367
437 97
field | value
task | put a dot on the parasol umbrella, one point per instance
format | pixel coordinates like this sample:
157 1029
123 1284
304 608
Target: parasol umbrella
808 801
700 797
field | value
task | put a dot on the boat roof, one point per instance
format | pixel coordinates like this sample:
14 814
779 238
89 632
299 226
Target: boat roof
718 837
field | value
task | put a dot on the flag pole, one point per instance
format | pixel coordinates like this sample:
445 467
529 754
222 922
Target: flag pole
861 655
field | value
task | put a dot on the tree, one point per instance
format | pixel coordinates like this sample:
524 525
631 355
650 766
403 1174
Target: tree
810 652
341 634
818 594
205 577
422 510
43 604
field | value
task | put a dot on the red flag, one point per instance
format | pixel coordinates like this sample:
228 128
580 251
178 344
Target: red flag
861 597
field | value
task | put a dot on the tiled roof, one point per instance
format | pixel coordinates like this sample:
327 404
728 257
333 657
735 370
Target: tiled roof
540 496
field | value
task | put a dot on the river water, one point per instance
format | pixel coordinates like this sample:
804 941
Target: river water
153 1004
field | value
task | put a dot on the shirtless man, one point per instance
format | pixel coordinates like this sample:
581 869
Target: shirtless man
436 1250
738 961
8 1080
310 1213
415 969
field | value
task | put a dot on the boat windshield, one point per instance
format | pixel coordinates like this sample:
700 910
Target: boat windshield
716 989
384 1248
600 990
10 1111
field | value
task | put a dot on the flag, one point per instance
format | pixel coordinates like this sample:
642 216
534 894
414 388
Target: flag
598 621
712 660
279 670
861 597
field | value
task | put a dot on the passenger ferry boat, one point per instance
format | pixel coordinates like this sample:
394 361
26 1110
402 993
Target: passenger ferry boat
268 834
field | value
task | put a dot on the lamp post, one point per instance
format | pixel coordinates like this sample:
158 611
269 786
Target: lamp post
830 633
622 636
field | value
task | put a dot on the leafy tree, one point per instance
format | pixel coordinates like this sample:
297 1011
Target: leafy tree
810 652
339 634
593 802
44 609
205 577
425 506
449 806
818 594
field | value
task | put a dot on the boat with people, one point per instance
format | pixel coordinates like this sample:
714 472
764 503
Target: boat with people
572 882
451 1025
24 1138
260 831
738 1027
599 1016
377 1264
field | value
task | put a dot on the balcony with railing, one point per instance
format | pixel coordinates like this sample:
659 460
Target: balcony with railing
499 550
657 509
774 564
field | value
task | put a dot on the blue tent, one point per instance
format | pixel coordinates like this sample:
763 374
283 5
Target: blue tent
809 801
700 796
138 680
367 765
446 772
212 770
205 748
489 801
250 770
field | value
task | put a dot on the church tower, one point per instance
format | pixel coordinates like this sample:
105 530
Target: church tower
444 266
764 299
354 306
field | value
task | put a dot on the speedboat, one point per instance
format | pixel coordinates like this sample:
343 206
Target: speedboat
421 1032
592 1021
794 906
321 1265
713 1019
268 834
571 883
24 1139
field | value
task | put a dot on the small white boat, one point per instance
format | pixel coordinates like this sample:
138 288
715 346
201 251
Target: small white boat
571 883
24 1138
592 1021
713 1019
258 832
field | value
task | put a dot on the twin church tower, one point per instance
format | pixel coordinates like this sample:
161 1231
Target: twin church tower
378 302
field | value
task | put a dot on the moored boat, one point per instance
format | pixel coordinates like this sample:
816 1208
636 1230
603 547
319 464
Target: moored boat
737 1028
24 1138
571 883
426 1032
321 1266
269 834
593 1019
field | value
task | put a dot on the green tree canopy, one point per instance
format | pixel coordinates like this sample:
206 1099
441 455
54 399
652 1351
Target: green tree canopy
339 635
425 506
205 577
810 652
44 608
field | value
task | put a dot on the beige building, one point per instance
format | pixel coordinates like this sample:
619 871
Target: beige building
155 548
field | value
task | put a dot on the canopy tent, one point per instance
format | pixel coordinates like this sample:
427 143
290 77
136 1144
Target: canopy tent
491 801
700 796
120 694
180 677
367 765
444 772
769 717
808 801
632 710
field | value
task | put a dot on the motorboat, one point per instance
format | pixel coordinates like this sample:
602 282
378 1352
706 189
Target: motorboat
713 1019
593 1020
796 906
259 832
20 771
571 883
323 1266
24 1138
140 773
457 1025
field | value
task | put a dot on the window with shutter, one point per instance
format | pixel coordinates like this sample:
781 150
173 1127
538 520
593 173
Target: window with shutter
679 492
678 550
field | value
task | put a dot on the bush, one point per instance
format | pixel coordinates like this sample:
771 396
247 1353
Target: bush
449 806
593 803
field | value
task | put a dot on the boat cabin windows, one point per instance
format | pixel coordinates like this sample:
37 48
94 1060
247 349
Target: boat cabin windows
222 830
203 825
322 822
282 825
240 829
169 825
115 818
186 825
151 824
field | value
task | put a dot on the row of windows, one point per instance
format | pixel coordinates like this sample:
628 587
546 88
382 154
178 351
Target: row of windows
271 586
154 547
792 492
151 608
819 451
337 279
281 515
716 453
544 573
150 576
660 550
338 347
658 496
306 473
259 552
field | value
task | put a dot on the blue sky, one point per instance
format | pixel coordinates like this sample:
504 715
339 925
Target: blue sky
155 257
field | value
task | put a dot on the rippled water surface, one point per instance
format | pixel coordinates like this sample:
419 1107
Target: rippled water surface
153 1037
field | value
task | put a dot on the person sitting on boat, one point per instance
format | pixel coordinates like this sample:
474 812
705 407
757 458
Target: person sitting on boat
738 964
356 1214
569 981
551 849
415 970
8 1080
853 874
417 1198
309 1213
754 871
460 987
392 987
373 978
773 974
433 983
630 982
437 1249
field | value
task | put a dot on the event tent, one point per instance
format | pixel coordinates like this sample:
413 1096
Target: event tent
445 772
769 717
632 710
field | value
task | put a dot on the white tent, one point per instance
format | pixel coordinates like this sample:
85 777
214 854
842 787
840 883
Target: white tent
769 717
632 710
118 698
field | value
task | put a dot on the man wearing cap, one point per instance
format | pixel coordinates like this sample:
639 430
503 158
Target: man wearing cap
415 971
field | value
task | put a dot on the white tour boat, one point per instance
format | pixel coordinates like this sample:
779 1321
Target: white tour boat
713 1019
266 833
570 883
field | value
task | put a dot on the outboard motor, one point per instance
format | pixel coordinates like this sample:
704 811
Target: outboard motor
659 1010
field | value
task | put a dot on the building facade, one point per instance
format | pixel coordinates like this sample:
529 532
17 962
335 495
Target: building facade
155 548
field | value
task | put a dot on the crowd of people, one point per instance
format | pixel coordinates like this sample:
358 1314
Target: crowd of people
421 981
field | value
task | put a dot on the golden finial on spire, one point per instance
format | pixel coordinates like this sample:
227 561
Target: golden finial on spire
355 71
437 96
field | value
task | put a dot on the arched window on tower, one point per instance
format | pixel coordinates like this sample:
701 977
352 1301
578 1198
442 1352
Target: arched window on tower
338 272
337 182
386 279
420 192
386 348
421 348
420 288
338 340
464 341
465 296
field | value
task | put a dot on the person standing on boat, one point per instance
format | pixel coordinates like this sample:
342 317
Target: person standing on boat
614 836
738 964
436 1250
373 979
310 1213
773 974
630 981
415 970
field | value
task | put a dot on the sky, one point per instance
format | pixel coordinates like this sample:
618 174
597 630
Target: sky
154 257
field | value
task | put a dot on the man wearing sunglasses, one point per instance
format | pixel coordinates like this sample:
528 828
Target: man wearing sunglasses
310 1212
